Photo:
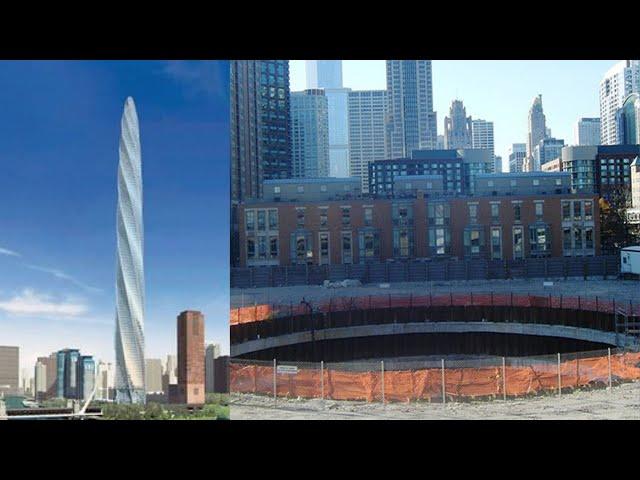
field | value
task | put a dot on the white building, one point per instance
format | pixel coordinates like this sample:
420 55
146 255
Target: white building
620 81
153 375
130 264
586 131
517 154
310 134
40 379
106 381
537 131
482 137
366 132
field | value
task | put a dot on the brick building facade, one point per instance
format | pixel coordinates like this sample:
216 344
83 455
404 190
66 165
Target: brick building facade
500 226
190 358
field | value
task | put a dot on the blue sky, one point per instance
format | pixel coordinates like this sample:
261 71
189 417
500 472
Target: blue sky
498 90
59 133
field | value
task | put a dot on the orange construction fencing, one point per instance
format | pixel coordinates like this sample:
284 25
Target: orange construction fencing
531 377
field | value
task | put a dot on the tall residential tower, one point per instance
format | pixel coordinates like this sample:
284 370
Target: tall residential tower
411 121
618 83
327 75
130 264
537 131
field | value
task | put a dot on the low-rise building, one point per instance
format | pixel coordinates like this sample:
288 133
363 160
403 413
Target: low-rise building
509 217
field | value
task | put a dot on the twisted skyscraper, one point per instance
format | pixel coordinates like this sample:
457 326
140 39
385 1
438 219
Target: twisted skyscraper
130 386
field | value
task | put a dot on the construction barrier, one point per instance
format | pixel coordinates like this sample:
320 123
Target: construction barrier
370 382
266 311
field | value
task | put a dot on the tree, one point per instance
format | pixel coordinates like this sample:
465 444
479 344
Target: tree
616 231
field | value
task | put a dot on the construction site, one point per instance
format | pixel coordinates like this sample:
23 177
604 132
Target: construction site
436 349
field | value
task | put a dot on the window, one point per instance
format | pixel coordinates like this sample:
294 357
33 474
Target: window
539 240
276 189
517 208
588 210
273 247
439 241
588 238
518 246
495 212
346 215
489 183
496 243
439 213
513 183
368 216
262 247
566 211
536 182
473 213
566 239
475 241
323 216
539 209
347 255
251 249
250 220
404 243
300 248
577 238
300 217
558 181
273 219
324 248
407 186
300 189
369 249
577 210
323 188
261 220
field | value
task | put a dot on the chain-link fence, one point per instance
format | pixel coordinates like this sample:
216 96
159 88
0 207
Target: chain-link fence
420 271
441 380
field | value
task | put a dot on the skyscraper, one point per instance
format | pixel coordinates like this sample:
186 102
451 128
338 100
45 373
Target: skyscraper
260 128
191 358
129 342
260 125
587 132
547 149
517 154
153 375
211 353
40 375
327 74
629 121
309 134
457 127
411 121
537 131
366 132
105 381
323 73
86 376
9 369
620 81
482 137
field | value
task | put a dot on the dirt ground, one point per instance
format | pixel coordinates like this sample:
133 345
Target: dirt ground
620 403
620 290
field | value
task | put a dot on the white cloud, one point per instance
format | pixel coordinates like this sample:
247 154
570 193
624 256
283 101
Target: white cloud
60 274
6 251
31 303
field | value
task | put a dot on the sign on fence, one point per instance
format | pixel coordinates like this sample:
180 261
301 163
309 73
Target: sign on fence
287 369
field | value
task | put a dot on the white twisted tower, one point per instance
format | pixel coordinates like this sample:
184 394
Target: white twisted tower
130 386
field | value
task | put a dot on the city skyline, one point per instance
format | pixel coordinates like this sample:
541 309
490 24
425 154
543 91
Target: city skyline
570 91
57 244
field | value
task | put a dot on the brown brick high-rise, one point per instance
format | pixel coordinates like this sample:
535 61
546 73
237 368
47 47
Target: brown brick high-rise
191 358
